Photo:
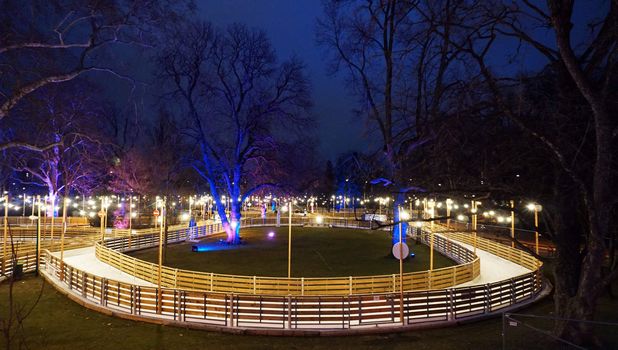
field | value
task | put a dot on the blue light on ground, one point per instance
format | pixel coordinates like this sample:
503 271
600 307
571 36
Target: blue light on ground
412 255
212 246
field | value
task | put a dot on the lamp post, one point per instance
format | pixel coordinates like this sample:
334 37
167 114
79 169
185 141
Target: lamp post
449 203
156 207
159 293
38 232
130 215
6 231
536 208
399 215
65 201
473 210
512 224
101 215
52 200
289 239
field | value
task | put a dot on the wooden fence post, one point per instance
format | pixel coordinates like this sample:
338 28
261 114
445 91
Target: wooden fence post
350 285
289 312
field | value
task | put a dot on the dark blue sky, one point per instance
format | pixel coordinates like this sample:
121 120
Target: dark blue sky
290 25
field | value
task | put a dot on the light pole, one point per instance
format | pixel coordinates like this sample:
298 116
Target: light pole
289 239
101 214
449 203
52 200
512 224
65 201
159 293
536 208
38 232
400 266
6 231
474 210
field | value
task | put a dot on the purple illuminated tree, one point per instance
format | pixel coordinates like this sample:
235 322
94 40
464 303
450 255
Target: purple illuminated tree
238 101
47 42
68 117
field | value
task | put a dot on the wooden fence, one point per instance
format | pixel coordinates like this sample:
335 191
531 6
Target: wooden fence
359 306
110 253
318 313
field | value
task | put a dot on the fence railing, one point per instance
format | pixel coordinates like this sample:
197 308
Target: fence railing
319 313
110 253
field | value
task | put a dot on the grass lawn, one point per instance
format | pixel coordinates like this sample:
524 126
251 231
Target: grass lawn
58 323
316 252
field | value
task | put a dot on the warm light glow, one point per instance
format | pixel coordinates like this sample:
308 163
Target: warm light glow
319 219
461 217
185 217
531 206
404 215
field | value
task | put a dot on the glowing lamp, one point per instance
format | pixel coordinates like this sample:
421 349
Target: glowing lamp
404 215
271 234
319 219
461 218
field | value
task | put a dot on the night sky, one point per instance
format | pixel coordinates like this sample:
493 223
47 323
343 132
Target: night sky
291 27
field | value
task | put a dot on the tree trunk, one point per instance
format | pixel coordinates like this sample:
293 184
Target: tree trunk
574 296
397 204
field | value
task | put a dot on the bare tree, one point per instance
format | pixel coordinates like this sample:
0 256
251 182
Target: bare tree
71 119
50 42
571 120
238 100
398 62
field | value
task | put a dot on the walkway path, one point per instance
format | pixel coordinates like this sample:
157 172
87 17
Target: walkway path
86 260
493 268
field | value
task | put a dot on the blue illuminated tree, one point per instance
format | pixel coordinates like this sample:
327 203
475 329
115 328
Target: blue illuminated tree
237 101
